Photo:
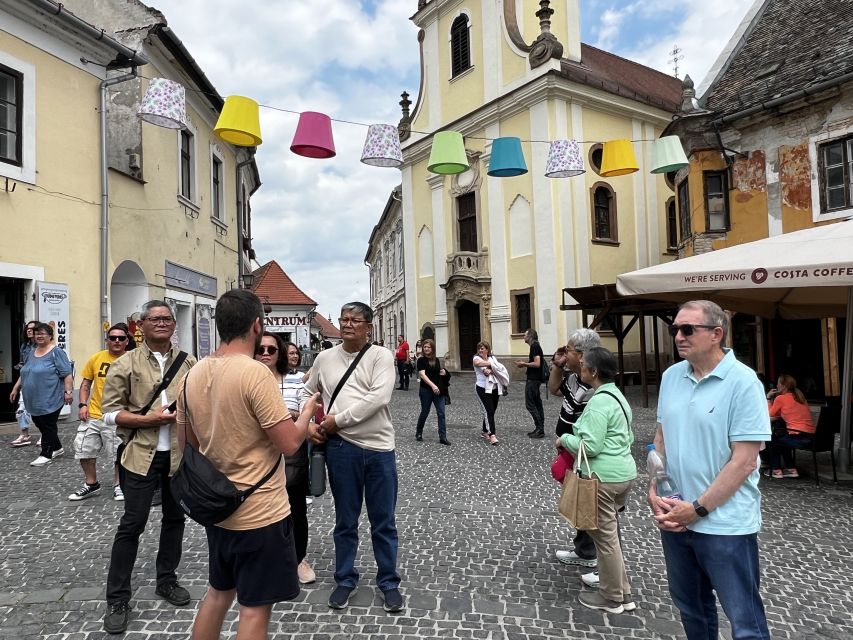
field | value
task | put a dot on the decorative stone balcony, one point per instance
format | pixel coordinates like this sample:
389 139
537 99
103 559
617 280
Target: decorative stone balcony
468 265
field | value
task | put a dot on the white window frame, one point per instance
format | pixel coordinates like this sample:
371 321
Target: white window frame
26 172
193 199
815 142
217 196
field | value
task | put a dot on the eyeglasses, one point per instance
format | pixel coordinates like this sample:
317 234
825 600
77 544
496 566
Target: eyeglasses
41 334
353 322
117 338
264 350
687 330
161 320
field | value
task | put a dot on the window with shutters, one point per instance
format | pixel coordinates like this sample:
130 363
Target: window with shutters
466 217
460 46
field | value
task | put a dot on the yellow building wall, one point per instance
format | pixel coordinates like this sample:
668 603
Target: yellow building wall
60 232
464 93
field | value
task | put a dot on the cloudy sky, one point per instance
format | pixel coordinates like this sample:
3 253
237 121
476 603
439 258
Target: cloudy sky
351 59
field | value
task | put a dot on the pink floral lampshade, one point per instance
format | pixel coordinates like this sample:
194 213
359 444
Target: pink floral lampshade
164 104
382 146
564 159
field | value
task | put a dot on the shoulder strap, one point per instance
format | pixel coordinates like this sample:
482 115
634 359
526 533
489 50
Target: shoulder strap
619 402
167 380
346 376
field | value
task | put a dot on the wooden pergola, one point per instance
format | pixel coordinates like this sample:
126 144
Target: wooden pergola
608 309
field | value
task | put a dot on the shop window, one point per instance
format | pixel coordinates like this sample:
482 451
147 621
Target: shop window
716 201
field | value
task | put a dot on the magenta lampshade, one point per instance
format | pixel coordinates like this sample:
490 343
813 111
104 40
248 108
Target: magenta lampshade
313 137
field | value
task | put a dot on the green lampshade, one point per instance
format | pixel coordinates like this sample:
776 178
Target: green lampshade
668 155
448 153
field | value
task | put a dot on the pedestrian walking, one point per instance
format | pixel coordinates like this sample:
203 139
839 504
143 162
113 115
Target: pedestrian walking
47 384
283 359
138 391
230 409
532 397
434 379
22 416
491 382
712 420
357 382
93 435
402 359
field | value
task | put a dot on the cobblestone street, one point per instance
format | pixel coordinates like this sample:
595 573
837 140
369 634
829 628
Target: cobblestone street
478 531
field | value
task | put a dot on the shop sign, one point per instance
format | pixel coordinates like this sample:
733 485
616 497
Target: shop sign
54 309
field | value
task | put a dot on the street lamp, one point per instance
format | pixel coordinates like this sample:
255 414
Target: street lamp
247 280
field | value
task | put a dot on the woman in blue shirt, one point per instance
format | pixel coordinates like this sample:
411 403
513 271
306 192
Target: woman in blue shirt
47 384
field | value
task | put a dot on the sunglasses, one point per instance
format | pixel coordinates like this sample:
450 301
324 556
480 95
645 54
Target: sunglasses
687 330
264 350
117 338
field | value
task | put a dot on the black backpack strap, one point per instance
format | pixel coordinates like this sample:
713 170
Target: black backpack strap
347 375
167 380
619 402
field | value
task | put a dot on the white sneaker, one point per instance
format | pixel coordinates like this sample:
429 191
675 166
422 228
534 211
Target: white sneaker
38 444
305 573
590 579
40 461
118 494
309 500
58 452
570 557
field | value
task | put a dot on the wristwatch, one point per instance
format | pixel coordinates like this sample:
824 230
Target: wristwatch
699 509
81 405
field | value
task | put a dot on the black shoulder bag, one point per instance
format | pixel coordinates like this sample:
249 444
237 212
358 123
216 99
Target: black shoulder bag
317 459
203 492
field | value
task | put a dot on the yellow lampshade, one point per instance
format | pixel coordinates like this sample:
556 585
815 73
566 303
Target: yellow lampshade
447 155
239 123
618 159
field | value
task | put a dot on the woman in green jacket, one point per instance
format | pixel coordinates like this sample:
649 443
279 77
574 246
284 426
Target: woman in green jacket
604 428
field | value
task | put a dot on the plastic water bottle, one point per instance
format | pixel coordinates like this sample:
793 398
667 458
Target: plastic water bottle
664 484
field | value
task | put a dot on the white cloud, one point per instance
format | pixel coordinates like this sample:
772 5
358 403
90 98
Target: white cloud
608 31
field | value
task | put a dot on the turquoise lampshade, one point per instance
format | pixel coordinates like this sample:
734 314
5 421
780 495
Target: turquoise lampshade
507 159
668 155
447 155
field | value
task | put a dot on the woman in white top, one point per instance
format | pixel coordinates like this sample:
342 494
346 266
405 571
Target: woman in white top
488 392
283 360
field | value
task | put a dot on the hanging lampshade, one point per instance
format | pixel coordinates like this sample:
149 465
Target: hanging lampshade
239 123
164 104
617 159
382 146
564 159
668 155
313 137
447 155
507 159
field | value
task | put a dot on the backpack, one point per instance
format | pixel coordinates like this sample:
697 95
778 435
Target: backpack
546 369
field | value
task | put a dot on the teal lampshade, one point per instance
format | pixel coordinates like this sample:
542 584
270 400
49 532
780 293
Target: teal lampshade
447 155
507 159
668 155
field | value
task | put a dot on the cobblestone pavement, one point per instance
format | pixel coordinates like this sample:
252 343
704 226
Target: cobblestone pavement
478 531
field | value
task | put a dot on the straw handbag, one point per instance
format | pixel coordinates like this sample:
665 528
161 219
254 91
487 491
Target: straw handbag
579 499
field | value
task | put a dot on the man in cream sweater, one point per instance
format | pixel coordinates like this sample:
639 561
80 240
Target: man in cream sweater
360 457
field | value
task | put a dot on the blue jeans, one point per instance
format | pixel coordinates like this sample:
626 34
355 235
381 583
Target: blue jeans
781 451
359 475
697 565
428 398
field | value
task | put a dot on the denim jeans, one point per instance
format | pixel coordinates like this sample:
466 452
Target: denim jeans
780 449
359 475
429 398
697 565
533 402
138 492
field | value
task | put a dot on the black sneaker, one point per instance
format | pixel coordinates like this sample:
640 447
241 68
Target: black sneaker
444 441
393 600
173 593
536 435
86 491
340 597
530 433
118 615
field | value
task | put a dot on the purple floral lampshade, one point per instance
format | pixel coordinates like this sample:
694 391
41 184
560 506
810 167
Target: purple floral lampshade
164 104
564 159
382 146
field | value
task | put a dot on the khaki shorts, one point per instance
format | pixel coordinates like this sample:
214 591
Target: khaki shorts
93 437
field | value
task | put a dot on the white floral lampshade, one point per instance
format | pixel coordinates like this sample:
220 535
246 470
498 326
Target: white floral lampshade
382 146
564 159
164 104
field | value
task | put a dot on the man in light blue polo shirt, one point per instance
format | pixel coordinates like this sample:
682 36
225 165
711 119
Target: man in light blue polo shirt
712 420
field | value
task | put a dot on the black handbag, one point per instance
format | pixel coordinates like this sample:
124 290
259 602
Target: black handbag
202 491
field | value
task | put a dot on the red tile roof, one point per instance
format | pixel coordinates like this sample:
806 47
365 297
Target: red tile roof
327 329
273 285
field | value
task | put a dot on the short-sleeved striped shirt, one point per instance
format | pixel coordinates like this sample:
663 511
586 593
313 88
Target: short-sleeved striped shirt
575 396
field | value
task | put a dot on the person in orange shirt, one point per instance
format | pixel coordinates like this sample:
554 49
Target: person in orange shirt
787 403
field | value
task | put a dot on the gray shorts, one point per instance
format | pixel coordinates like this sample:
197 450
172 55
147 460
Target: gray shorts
93 437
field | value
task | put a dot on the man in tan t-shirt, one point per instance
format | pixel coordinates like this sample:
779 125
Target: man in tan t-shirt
231 409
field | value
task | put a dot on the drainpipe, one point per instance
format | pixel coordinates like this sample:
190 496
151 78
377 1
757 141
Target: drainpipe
105 189
239 189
